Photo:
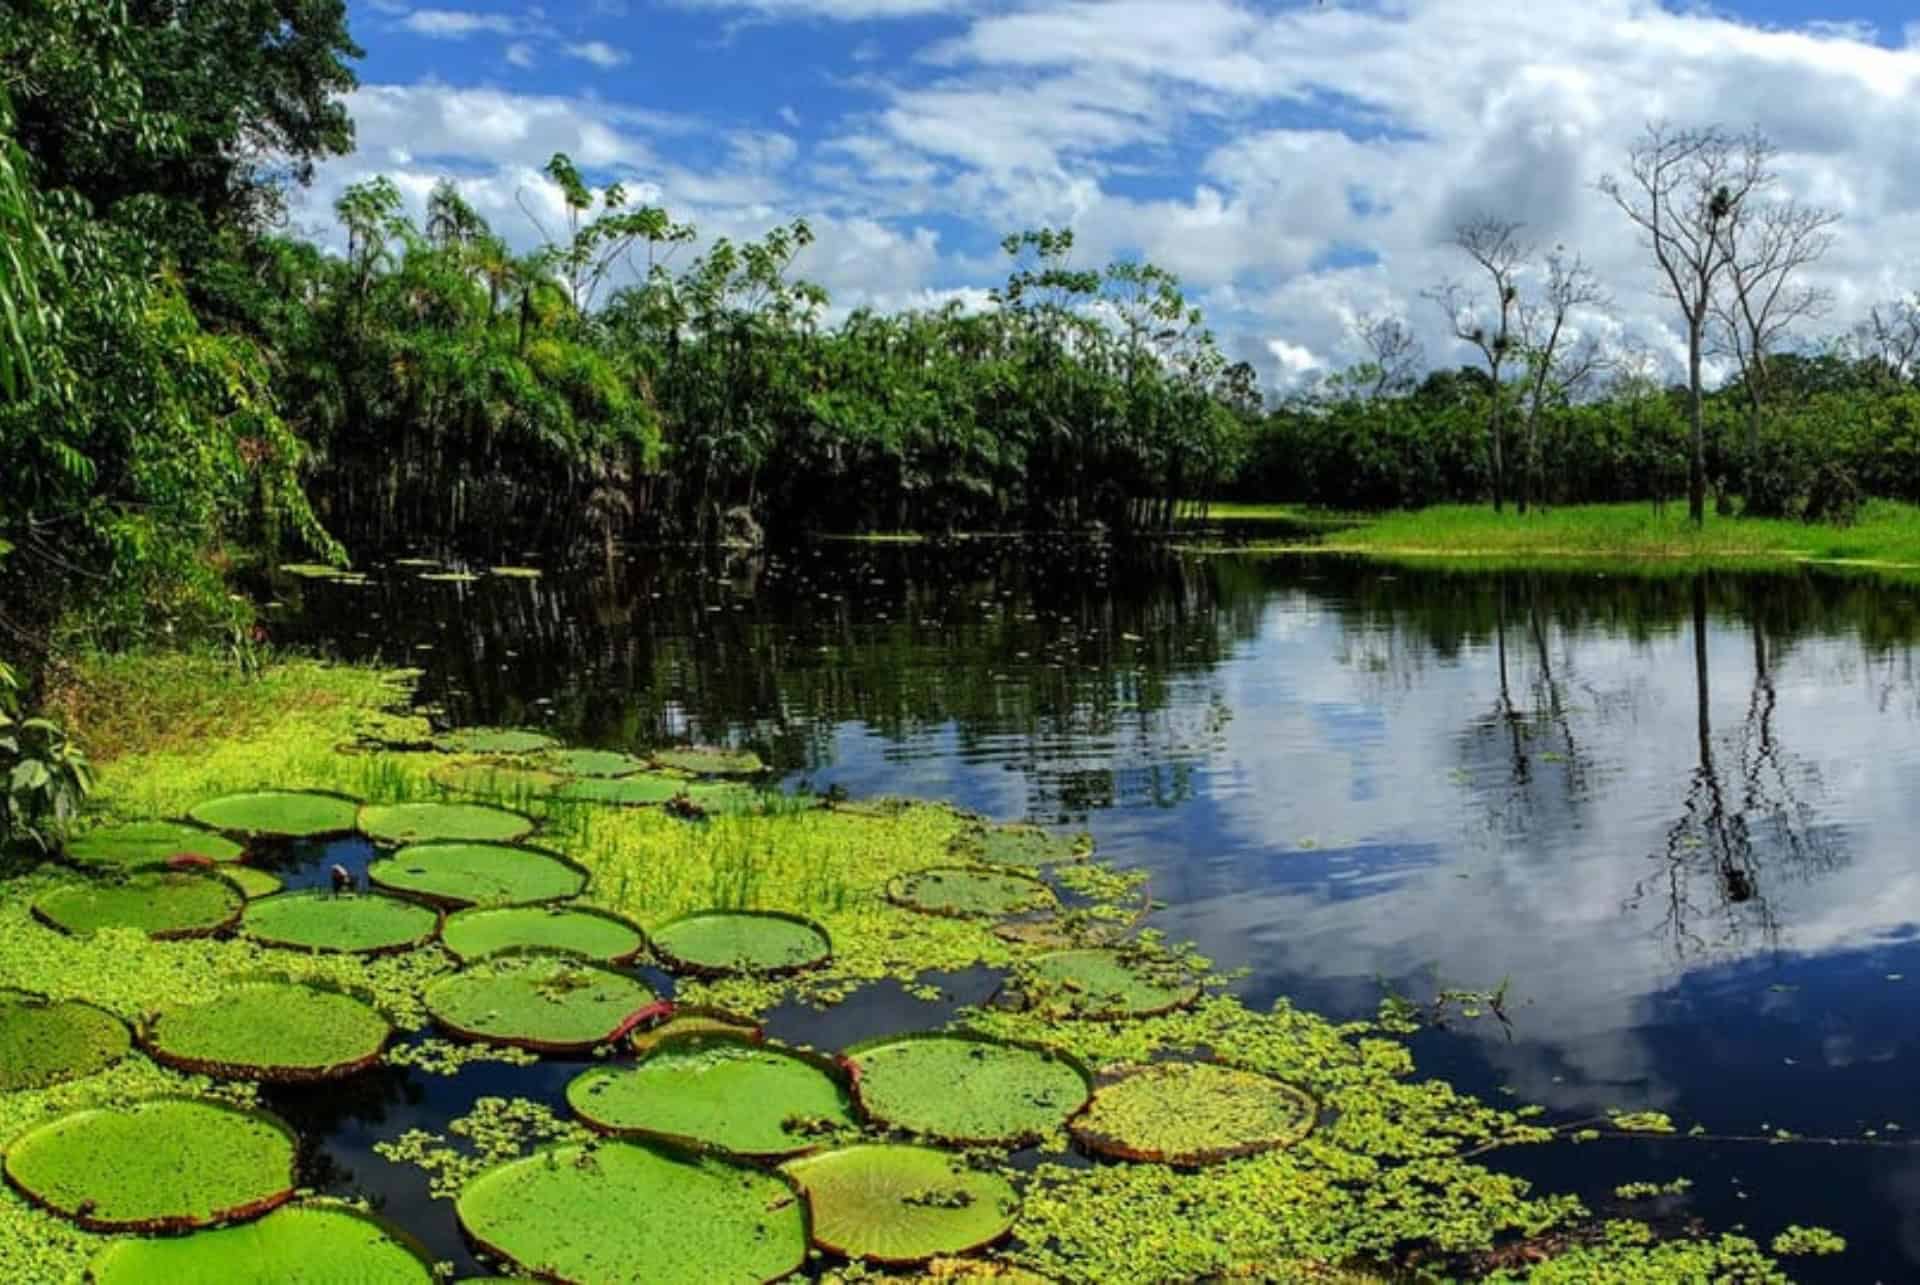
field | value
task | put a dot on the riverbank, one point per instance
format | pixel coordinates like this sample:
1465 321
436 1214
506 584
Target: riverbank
1390 1179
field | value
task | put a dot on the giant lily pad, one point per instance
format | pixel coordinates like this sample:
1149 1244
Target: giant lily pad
254 881
591 934
1108 984
709 760
436 822
161 903
547 1003
496 780
473 874
492 740
691 1019
622 1213
967 1089
44 1042
650 788
712 943
149 843
282 1031
898 1205
347 924
967 893
605 763
279 814
736 1095
316 1242
1019 845
1193 1113
168 1164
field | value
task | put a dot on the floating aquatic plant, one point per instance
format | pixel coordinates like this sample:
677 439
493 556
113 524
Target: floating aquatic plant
623 1212
473 874
970 893
1193 1113
1107 985
967 1089
708 760
601 763
724 1092
592 934
1019 845
546 1003
253 881
652 788
899 1205
686 1020
314 1242
495 779
492 740
443 822
279 814
168 1164
353 924
161 903
720 942
148 843
281 1031
45 1042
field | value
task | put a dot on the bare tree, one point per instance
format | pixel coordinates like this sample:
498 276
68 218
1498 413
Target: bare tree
1766 246
1559 360
1683 186
1396 352
1495 247
1890 338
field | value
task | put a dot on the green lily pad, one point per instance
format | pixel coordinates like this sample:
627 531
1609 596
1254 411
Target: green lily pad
966 893
310 570
899 1205
592 934
279 814
450 822
1107 985
712 943
515 573
727 1093
496 780
279 1031
253 881
686 1020
150 843
475 874
161 903
45 1042
547 1003
1019 845
1193 1113
167 1164
619 1213
350 924
709 760
967 1089
651 788
605 763
315 1242
448 577
493 740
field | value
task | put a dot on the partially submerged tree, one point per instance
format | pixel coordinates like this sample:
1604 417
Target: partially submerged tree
1495 247
1683 188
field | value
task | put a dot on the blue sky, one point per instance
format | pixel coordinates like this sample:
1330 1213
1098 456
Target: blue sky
1299 165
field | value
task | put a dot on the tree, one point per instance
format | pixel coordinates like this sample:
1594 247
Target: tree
1394 350
1683 187
1766 247
1889 340
28 263
1558 360
1495 247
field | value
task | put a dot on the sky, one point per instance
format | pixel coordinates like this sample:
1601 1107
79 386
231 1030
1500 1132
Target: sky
1300 166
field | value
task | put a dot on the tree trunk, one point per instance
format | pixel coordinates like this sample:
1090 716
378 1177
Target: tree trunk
1697 470
1495 452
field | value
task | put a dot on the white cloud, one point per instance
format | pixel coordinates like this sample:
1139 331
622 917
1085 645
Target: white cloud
599 53
839 10
456 24
789 117
520 54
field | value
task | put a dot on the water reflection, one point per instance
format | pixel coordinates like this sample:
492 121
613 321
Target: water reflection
1674 811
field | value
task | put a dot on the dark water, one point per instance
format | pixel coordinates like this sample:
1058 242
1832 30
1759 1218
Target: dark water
1678 816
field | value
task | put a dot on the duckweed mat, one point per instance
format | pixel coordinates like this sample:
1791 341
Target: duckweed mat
968 893
1019 845
496 780
45 1042
546 1003
718 942
315 1242
900 1205
160 903
1193 1113
279 814
1107 985
732 1094
708 760
169 1164
622 1212
967 1089
279 1031
478 874
343 923
148 843
492 740
433 822
643 790
592 934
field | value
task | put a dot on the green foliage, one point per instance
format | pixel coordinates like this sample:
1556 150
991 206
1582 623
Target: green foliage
44 777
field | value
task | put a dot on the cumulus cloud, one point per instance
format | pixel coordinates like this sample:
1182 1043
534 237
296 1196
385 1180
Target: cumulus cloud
599 53
456 24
